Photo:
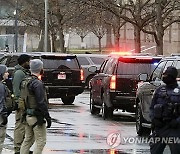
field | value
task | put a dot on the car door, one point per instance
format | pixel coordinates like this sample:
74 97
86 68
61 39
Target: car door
96 83
149 87
155 82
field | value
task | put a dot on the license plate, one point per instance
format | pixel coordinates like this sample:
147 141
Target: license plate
62 76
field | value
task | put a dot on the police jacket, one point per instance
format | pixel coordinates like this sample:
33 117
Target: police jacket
19 74
3 94
163 95
37 88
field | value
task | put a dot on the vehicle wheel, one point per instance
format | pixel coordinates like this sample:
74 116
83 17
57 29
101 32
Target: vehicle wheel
93 109
68 100
139 120
106 112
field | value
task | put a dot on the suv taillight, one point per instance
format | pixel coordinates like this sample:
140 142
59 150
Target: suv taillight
82 75
113 82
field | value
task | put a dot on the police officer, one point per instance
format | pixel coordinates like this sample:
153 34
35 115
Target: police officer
165 114
36 109
3 108
21 70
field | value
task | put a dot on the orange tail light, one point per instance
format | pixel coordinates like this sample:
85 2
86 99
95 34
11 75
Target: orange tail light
113 82
82 75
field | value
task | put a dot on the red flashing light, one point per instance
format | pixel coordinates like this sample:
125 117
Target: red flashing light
81 75
113 82
121 53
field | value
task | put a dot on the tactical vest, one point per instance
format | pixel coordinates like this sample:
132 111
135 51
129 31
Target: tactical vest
27 98
9 100
168 107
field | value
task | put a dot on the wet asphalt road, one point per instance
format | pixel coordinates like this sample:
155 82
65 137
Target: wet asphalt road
75 131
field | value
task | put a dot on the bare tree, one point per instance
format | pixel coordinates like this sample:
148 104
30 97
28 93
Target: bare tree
166 14
98 27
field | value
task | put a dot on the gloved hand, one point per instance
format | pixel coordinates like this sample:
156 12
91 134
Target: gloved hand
157 123
48 119
173 123
5 120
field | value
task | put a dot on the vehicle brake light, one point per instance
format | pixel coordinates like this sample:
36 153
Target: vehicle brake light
113 82
81 75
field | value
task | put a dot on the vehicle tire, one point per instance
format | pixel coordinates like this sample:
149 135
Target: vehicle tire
107 113
141 131
93 109
68 100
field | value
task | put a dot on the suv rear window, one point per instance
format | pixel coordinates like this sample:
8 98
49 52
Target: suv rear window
52 62
136 65
133 68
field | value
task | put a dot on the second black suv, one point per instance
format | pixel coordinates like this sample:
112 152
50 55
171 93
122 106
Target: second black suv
145 92
88 60
114 86
63 76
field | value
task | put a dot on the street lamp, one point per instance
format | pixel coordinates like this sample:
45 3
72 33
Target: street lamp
16 26
46 25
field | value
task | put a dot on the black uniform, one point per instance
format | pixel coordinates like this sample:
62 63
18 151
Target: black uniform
165 115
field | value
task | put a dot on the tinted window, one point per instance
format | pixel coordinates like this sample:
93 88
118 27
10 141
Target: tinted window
109 68
103 65
97 60
56 63
133 68
83 61
157 71
169 63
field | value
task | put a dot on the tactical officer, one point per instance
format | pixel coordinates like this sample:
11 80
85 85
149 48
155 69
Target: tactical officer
165 114
3 107
34 95
21 70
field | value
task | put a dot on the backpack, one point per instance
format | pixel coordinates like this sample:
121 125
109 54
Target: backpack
25 95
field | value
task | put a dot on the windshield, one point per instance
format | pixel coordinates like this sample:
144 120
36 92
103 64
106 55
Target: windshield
57 63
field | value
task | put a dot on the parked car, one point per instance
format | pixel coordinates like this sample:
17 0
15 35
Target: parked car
145 92
63 76
87 60
114 86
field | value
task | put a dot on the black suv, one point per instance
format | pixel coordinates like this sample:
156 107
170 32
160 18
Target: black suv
63 76
114 86
145 92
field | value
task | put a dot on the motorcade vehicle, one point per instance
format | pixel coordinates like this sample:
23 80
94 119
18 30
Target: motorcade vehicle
88 60
114 86
145 92
63 76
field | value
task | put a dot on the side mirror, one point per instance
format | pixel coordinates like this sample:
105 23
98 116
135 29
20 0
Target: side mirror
143 77
92 69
